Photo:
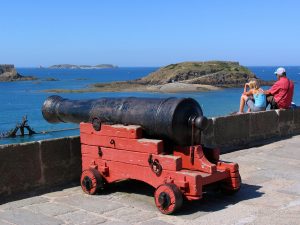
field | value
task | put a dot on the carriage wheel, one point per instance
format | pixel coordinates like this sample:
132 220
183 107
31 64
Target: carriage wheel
168 198
91 181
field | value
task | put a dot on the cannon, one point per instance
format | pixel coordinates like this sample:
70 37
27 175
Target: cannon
154 140
177 119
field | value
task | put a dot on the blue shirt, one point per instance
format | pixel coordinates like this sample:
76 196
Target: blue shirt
260 100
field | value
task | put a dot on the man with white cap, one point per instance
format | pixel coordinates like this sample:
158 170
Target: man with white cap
280 95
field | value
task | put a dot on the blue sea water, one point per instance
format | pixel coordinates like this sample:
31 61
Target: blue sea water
26 97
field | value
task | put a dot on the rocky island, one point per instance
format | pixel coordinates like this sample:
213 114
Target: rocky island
71 66
183 77
9 73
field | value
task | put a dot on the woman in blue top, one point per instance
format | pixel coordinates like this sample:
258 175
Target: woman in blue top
255 98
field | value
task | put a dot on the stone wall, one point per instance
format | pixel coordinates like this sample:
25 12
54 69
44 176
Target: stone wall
48 163
36 165
251 129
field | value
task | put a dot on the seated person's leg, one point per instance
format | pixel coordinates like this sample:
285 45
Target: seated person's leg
242 103
250 104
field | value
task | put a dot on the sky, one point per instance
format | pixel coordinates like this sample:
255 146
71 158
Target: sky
149 33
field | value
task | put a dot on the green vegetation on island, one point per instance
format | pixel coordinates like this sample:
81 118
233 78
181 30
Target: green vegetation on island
216 73
182 77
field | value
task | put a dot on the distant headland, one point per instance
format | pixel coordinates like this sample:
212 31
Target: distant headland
182 77
9 73
71 66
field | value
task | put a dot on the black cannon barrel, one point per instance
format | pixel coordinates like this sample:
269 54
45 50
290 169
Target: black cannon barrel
177 119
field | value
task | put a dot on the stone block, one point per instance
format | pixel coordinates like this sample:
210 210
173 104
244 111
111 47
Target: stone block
296 120
75 148
55 151
50 209
81 217
114 222
23 216
264 125
23 202
286 122
56 175
207 136
20 167
56 161
73 172
156 222
130 215
76 162
93 203
232 130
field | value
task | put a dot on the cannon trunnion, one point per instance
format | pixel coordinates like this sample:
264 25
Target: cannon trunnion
126 139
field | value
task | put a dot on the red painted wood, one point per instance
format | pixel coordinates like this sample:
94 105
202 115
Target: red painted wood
138 145
119 171
231 167
190 182
168 162
118 153
130 131
199 162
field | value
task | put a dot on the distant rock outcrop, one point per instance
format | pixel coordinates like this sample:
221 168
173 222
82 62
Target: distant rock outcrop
182 77
216 73
9 73
71 66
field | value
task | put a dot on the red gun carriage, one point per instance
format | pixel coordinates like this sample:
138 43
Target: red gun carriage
119 152
114 152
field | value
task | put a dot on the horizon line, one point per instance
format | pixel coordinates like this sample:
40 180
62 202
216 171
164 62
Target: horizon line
126 66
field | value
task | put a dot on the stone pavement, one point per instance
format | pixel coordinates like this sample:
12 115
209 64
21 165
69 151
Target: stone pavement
270 195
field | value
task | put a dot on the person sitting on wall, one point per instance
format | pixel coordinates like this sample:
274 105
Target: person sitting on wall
255 98
280 95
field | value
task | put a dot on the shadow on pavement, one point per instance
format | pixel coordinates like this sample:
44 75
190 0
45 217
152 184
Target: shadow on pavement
130 186
213 200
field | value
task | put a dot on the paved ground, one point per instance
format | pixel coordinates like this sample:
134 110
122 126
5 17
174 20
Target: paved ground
270 195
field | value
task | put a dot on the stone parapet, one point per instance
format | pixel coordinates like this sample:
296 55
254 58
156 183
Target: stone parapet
251 129
48 163
42 164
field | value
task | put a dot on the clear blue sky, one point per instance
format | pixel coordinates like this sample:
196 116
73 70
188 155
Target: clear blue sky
149 33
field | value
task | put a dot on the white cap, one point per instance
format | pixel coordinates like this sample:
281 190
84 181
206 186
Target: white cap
280 71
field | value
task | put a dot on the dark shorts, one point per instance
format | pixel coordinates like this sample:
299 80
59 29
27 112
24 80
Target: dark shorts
271 101
252 107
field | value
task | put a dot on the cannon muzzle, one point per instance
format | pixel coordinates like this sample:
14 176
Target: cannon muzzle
179 120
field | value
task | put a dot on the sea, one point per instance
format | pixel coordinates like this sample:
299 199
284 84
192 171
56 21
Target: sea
25 98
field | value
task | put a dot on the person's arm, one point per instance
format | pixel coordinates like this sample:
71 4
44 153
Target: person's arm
248 93
245 87
275 88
